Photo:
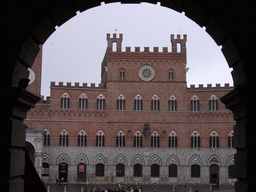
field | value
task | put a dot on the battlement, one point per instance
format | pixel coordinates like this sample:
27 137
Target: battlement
209 87
77 85
174 41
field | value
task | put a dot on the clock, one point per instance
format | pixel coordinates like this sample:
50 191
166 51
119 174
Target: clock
146 73
31 77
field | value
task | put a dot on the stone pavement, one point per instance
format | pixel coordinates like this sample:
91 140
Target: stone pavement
145 188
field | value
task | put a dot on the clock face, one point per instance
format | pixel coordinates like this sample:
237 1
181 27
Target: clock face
31 76
146 73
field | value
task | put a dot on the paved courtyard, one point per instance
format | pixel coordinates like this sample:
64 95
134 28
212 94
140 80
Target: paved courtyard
145 188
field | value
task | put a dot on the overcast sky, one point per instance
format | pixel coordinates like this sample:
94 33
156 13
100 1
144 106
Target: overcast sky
74 52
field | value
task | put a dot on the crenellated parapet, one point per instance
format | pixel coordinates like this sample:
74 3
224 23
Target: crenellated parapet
210 87
76 85
174 41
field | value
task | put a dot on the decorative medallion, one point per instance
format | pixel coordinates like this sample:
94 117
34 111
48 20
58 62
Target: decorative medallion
146 73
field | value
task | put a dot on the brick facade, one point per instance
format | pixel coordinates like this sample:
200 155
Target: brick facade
169 83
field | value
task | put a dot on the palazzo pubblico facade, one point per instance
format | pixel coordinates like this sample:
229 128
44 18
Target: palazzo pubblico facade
141 125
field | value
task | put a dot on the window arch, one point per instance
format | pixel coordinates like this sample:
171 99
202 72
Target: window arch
155 139
171 74
138 104
120 103
155 170
173 140
47 138
214 140
231 139
63 138
155 103
195 103
100 102
195 139
82 139
64 101
100 139
120 170
100 170
120 139
172 103
213 103
122 74
137 139
83 102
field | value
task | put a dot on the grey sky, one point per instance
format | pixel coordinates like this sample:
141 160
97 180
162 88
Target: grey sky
74 52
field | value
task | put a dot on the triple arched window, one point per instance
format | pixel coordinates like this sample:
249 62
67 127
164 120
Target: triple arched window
81 139
64 101
155 103
230 139
120 103
83 102
46 138
214 140
155 139
63 138
195 140
195 103
100 102
137 139
120 139
138 104
213 103
100 139
173 140
172 103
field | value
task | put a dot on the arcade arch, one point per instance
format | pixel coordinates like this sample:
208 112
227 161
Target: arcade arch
41 20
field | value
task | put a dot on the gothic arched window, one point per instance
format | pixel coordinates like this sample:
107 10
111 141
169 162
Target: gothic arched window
195 103
155 103
155 139
172 104
214 140
100 102
173 140
120 103
81 139
83 102
230 139
137 139
100 139
138 105
213 103
63 138
120 139
64 101
195 140
46 138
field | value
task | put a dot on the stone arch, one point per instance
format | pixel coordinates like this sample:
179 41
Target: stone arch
41 21
100 159
63 158
138 159
155 159
195 159
46 159
82 158
120 159
173 159
230 160
214 159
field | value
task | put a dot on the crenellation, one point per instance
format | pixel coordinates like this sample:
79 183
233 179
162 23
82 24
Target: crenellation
68 84
155 49
137 49
165 49
146 49
127 49
84 85
76 84
209 86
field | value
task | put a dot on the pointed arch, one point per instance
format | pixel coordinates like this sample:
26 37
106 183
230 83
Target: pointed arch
81 158
100 159
214 159
172 103
155 159
120 159
100 102
173 159
155 139
65 101
213 103
82 138
138 159
120 139
63 158
100 139
138 103
214 140
195 159
83 101
195 103
195 140
137 139
173 140
155 103
230 160
46 159
120 103
63 138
